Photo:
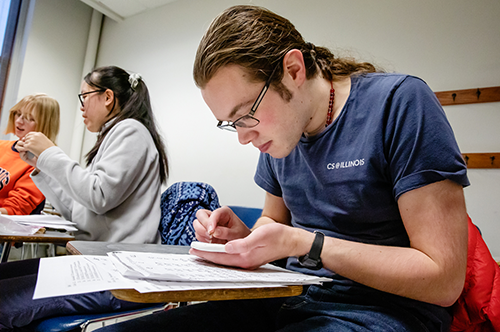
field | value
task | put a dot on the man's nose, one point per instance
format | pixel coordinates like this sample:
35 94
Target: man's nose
245 135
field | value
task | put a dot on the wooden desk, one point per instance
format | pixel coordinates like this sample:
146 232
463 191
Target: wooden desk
48 237
101 248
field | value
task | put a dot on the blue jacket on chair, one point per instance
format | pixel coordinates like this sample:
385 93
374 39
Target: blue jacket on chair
179 204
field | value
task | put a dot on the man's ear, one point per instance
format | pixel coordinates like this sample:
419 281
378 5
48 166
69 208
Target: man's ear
294 66
110 96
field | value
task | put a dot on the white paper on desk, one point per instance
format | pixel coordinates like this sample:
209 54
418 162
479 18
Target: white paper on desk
41 218
176 267
77 274
67 228
8 226
69 275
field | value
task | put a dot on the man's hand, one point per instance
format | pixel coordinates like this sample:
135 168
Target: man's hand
265 244
219 226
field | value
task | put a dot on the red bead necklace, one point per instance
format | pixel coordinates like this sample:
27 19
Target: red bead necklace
329 116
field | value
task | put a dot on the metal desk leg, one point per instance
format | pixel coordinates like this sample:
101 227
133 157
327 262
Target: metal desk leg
5 251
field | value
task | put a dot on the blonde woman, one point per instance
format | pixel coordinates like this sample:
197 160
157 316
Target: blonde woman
18 194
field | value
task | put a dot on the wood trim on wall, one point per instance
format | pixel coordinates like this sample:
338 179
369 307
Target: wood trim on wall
473 96
469 96
482 160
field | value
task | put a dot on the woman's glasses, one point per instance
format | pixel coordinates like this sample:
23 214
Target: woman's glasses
24 117
83 96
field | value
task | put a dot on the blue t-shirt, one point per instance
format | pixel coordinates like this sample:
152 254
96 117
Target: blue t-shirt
392 136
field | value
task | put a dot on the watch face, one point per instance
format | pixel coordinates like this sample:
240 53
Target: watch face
310 263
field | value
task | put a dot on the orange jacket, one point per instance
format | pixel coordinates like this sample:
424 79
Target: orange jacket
478 307
18 193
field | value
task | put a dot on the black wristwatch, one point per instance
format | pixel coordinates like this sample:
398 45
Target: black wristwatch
312 260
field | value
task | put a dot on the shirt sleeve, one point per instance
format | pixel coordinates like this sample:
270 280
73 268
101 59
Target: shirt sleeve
420 145
265 176
24 197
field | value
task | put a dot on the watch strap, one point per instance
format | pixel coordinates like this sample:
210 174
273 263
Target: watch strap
312 260
317 246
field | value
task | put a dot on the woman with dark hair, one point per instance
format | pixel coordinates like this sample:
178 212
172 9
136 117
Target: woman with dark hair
116 198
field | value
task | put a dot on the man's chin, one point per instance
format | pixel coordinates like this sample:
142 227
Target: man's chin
278 154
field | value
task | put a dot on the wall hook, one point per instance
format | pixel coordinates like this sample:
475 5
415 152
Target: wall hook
482 160
454 95
478 93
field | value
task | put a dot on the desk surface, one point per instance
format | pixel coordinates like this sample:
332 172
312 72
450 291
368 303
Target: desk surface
47 237
101 248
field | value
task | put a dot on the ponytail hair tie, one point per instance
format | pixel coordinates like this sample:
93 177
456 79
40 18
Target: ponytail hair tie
133 79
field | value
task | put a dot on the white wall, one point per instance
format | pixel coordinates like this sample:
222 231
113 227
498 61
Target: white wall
161 46
54 58
451 44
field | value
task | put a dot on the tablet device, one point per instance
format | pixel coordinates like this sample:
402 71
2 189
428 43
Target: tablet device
204 246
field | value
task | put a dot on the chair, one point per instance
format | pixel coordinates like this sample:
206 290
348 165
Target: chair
34 246
89 322
179 204
248 215
39 208
478 307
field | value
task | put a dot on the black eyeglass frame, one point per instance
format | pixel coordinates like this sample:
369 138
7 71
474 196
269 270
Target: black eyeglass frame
231 126
87 93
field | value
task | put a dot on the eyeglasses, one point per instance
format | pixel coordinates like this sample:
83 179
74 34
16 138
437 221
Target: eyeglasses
26 118
81 95
248 121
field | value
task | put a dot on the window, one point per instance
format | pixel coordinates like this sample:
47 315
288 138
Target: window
9 17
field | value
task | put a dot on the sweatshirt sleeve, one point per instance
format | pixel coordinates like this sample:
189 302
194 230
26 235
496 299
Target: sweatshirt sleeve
106 183
24 197
51 188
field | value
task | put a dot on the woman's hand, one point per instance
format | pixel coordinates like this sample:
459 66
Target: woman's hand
34 142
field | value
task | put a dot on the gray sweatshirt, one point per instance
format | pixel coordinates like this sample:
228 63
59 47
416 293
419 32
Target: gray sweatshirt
117 197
